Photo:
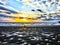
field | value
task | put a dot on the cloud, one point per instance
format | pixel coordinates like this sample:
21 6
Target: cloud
3 1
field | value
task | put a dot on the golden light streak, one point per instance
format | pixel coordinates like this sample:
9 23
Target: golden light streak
25 17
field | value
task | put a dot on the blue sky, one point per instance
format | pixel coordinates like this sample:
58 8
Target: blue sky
19 5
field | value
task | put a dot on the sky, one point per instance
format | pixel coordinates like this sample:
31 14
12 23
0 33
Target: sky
28 6
22 6
18 5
